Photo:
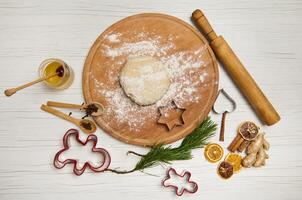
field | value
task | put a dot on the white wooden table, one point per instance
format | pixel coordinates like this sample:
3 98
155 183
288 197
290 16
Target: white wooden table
265 34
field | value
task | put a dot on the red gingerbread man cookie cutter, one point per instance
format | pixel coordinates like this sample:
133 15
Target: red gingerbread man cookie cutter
180 190
78 171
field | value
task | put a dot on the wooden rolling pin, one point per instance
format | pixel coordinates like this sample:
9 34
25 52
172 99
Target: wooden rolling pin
237 71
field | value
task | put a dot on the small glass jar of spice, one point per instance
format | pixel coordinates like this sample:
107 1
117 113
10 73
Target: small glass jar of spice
52 66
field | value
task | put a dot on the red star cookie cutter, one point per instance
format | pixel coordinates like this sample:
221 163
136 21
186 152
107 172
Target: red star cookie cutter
78 171
180 190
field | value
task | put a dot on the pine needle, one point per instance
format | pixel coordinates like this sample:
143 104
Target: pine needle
160 154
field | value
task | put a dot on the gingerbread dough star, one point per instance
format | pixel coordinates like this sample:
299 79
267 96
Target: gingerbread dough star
171 115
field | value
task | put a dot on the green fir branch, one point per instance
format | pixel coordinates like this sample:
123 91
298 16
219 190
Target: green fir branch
160 154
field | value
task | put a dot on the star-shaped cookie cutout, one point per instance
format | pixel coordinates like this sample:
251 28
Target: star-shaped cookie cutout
171 115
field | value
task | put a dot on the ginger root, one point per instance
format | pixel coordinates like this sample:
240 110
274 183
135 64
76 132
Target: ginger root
261 156
256 144
265 144
256 152
249 160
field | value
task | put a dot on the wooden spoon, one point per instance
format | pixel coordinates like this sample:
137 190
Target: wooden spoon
11 91
98 107
85 125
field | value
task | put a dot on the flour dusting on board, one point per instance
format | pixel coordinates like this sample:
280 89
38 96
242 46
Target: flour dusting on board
114 37
182 68
149 47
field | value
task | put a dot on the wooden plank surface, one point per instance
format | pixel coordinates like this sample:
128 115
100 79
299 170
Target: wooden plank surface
265 34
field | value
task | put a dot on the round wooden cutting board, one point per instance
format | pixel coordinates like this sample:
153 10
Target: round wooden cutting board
192 69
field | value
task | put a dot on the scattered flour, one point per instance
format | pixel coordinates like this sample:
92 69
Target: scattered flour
113 38
180 66
142 48
202 76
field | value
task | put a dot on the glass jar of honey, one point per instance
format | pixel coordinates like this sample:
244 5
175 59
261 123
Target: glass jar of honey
51 66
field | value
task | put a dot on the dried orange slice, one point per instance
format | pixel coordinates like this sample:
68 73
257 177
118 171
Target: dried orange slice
225 170
213 152
235 160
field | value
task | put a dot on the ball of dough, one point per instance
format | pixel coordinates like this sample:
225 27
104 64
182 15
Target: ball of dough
145 80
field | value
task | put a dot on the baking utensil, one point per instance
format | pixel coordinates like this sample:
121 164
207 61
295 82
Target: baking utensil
85 125
94 108
237 71
222 92
11 91
101 75
171 115
186 175
93 167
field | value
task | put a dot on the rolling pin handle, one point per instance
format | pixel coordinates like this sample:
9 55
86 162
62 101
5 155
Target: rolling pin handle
203 23
10 92
237 71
